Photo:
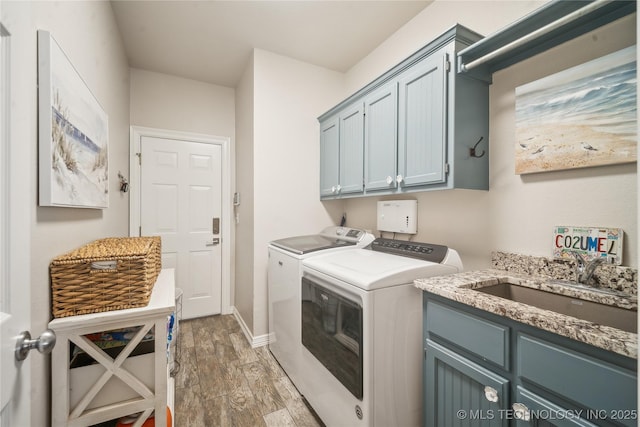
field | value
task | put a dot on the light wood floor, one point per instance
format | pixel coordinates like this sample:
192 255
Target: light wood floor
222 381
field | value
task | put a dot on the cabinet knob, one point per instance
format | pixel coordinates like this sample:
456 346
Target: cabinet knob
491 394
389 180
399 179
338 188
521 412
333 189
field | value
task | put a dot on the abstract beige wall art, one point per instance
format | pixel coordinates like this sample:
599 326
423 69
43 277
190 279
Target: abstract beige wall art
73 134
580 117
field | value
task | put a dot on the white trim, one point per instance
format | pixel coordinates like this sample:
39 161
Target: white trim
5 166
135 135
259 341
17 167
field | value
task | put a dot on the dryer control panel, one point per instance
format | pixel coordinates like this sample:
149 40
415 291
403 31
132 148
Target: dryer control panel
423 251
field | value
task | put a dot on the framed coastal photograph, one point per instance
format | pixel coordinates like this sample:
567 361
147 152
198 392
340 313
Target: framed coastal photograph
581 117
73 134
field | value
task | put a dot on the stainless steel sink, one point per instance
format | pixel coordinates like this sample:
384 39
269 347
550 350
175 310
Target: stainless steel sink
620 318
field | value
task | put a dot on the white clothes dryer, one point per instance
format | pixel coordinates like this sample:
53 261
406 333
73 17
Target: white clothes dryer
362 331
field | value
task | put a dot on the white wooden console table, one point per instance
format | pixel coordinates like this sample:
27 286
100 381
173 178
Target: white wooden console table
114 387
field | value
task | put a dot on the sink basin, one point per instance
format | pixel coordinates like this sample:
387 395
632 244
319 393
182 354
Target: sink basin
620 318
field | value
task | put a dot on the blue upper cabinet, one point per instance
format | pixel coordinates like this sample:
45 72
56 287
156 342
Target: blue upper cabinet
329 157
419 121
342 152
381 135
422 112
351 150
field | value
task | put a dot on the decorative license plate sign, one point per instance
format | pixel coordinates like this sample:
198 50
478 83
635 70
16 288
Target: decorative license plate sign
590 242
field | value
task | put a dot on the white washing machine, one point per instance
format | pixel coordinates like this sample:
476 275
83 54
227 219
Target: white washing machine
362 331
284 291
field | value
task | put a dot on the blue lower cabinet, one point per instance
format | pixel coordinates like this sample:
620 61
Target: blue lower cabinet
481 369
531 409
607 393
459 392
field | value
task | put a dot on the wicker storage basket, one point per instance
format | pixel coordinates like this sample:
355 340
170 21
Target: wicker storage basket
107 274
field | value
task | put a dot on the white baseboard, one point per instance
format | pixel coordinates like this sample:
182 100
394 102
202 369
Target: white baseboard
255 342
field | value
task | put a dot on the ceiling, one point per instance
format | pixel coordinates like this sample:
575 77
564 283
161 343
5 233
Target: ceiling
211 41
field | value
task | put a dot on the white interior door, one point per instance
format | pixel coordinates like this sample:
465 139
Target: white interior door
14 257
181 187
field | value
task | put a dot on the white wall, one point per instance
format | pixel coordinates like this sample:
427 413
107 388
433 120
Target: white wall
518 213
600 196
484 17
163 101
288 97
244 185
87 33
169 102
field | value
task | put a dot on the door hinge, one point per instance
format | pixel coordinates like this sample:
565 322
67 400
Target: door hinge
446 168
447 66
139 158
140 231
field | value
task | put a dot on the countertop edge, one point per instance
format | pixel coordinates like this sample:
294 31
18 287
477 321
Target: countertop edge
459 287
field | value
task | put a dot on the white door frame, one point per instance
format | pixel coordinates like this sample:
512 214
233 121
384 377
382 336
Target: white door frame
136 134
16 201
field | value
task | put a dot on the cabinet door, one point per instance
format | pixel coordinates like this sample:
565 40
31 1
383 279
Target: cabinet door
533 410
329 157
422 122
459 392
352 150
381 138
588 381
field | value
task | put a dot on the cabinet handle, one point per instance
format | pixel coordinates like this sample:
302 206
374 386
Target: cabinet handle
399 179
491 394
521 412
389 180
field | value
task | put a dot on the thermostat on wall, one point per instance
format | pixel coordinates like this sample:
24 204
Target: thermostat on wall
398 216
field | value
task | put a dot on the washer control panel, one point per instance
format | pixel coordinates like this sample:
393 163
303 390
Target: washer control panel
424 251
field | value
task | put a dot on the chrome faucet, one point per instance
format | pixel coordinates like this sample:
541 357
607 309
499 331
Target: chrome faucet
584 267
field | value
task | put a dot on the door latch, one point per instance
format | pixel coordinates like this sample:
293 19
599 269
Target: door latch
214 241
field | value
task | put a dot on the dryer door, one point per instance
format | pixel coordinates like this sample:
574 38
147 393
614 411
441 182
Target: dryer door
332 332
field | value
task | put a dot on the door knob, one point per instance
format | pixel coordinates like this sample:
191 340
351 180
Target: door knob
44 343
491 394
521 412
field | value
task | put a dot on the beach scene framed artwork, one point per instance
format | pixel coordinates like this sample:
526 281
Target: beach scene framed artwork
73 134
580 117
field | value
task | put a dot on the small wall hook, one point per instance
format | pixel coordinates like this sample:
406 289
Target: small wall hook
472 151
124 184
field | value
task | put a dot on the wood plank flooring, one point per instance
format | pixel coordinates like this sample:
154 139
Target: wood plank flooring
222 381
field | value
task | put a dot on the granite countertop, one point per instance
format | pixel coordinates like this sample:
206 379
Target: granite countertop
459 287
